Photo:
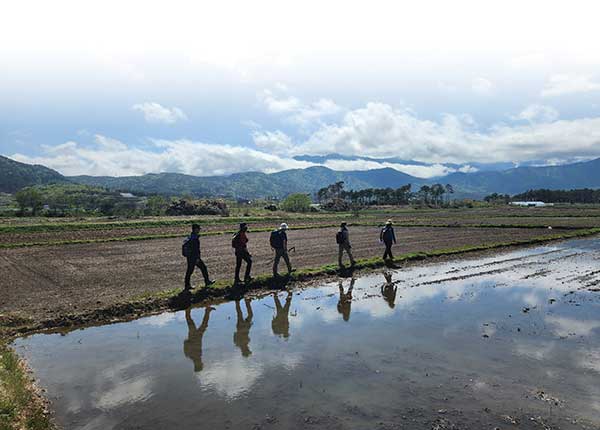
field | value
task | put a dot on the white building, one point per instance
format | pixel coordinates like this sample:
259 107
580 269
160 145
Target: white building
532 204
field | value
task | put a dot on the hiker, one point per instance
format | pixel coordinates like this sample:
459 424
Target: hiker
345 303
342 238
389 290
388 237
191 250
192 346
241 337
281 322
279 243
239 243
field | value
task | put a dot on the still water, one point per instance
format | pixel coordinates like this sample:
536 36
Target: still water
502 341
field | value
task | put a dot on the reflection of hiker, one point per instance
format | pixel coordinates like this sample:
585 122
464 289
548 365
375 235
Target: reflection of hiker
241 337
388 237
192 346
239 243
281 322
345 302
279 243
389 290
191 250
342 238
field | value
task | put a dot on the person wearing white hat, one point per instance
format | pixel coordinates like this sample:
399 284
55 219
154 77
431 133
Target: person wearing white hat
279 245
388 237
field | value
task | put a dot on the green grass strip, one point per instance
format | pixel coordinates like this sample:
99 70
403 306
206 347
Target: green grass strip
19 407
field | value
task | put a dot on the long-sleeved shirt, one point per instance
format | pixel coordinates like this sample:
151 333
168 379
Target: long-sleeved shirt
194 246
387 234
242 241
345 236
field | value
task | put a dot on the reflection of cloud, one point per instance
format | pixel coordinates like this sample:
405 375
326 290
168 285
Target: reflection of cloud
231 377
563 326
590 359
101 422
535 352
159 320
125 392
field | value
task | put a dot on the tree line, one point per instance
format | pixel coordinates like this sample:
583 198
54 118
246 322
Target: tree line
427 194
584 195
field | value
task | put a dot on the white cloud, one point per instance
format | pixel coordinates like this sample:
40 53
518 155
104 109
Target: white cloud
559 85
156 113
111 157
482 86
274 141
294 110
410 169
536 112
379 130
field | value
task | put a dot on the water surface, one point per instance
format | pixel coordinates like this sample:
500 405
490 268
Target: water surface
503 341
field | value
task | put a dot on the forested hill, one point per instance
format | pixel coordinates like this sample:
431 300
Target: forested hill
252 185
15 175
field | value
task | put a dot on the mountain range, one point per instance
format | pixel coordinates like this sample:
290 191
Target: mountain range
15 175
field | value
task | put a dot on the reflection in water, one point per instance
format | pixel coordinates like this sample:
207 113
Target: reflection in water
345 303
192 346
281 321
389 290
241 337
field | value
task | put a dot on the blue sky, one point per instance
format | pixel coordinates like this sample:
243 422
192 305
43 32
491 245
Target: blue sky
107 88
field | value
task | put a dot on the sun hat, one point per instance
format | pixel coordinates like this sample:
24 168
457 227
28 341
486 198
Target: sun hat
283 226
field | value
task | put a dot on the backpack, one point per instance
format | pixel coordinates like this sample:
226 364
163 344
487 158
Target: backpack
185 247
388 234
276 240
339 237
235 240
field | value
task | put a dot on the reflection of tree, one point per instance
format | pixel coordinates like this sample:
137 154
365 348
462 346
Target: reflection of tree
192 346
241 337
345 303
281 322
389 290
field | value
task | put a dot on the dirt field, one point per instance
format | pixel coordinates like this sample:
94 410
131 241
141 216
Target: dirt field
44 282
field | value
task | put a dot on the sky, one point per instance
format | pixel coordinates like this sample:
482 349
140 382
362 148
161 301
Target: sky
213 88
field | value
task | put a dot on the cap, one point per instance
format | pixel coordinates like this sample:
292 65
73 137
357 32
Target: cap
243 225
283 226
389 221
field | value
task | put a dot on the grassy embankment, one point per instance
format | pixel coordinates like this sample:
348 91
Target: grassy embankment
20 407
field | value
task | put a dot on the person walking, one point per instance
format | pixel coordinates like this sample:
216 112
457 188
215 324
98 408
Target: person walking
388 237
343 240
279 244
344 305
241 336
192 346
240 244
281 322
191 250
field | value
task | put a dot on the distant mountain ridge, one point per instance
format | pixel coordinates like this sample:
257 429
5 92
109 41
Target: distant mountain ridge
251 185
15 175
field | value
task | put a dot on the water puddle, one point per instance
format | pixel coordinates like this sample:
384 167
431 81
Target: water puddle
507 341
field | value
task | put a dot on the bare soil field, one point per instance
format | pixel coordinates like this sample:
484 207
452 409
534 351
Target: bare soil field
49 281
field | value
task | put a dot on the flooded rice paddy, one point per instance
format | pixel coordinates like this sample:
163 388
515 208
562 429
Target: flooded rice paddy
506 341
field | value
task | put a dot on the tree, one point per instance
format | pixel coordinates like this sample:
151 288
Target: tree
156 205
296 203
29 198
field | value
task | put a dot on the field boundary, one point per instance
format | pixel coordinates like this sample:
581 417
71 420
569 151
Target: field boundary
266 229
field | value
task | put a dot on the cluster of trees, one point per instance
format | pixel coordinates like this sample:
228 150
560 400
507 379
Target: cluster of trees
334 195
297 202
197 207
584 195
498 199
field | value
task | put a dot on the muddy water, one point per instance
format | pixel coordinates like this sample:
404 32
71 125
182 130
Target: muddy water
509 341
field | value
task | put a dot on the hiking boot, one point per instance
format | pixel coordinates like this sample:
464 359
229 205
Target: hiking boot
248 279
187 288
237 282
209 282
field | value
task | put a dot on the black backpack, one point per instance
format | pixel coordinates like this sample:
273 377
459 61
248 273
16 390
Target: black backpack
276 240
339 237
185 247
235 240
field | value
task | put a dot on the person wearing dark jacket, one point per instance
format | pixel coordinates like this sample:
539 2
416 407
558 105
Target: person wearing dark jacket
240 244
388 237
344 245
194 258
279 245
192 346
